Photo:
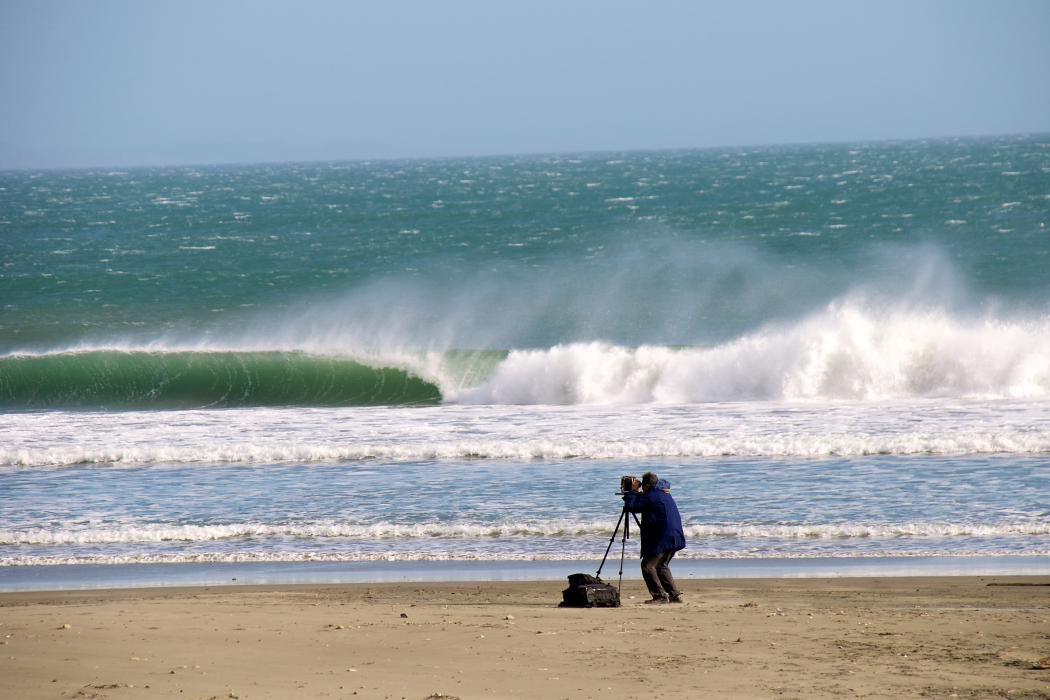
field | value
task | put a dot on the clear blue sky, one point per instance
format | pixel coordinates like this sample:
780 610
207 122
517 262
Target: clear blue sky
120 82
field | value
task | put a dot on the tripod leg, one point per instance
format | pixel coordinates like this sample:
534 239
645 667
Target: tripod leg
612 539
623 544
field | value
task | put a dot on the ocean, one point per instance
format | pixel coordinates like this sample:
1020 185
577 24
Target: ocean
834 353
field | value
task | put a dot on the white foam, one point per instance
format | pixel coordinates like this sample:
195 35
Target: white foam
273 451
137 534
462 555
847 352
205 533
455 432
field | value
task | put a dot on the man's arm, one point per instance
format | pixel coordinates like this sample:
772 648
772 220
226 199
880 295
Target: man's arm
635 500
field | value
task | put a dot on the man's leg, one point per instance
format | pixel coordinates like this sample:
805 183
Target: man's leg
663 573
652 580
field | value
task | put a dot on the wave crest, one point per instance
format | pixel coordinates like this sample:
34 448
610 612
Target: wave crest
848 352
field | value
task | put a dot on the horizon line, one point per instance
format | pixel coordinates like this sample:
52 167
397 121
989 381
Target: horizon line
523 154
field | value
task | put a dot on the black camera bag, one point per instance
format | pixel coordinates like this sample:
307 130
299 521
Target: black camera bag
586 591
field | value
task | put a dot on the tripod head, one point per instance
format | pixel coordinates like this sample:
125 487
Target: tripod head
628 483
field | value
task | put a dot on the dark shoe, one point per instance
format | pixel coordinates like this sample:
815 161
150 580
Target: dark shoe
656 601
677 599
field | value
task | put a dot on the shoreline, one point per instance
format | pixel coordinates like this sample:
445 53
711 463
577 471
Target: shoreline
939 637
60 577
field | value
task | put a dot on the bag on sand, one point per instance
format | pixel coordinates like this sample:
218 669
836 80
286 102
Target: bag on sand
586 591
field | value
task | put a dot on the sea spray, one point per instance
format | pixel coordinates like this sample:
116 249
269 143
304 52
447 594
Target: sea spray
850 351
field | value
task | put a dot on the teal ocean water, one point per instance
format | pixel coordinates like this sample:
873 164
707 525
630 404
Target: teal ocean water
832 350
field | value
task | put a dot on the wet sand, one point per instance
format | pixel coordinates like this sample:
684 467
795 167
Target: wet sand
944 637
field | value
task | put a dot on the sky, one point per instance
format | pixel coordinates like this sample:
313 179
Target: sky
154 82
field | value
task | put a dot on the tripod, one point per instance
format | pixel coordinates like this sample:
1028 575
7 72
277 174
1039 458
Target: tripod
623 542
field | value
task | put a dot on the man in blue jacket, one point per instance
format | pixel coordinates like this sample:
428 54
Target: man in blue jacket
662 534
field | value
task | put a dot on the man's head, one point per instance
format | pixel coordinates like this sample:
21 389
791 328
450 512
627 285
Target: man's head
649 480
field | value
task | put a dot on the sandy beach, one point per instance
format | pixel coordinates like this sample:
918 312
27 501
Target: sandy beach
949 637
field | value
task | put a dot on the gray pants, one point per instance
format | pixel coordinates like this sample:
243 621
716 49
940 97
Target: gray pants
657 575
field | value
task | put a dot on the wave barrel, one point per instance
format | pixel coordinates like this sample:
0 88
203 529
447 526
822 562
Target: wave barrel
138 379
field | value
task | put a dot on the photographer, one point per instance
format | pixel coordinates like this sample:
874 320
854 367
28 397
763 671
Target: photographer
662 533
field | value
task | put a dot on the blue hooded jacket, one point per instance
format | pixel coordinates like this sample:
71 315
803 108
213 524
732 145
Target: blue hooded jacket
661 522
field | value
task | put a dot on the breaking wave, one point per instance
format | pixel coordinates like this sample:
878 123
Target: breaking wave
847 352
850 351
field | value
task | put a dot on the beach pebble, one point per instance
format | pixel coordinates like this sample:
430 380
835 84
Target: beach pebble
404 614
1042 664
509 617
65 627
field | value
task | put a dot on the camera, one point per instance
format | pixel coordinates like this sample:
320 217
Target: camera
626 482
